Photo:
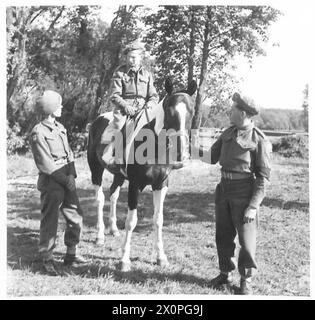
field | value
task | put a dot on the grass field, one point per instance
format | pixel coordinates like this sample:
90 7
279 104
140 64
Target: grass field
283 250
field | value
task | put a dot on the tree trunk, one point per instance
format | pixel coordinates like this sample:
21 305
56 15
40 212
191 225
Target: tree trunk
203 73
103 86
192 45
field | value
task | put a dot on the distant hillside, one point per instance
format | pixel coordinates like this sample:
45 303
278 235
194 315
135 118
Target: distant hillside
268 119
280 119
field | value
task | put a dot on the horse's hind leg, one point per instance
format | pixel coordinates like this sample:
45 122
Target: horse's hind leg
114 194
158 201
130 224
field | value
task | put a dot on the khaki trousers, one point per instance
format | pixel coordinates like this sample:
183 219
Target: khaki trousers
55 197
232 197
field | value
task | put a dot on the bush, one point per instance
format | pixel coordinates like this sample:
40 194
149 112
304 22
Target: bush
78 142
292 146
15 142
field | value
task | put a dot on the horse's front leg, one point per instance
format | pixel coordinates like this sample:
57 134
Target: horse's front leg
130 224
100 201
158 201
114 194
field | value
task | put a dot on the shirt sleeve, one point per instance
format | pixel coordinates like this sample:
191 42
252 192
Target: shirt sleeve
262 172
116 88
72 170
216 151
152 97
263 157
258 192
43 159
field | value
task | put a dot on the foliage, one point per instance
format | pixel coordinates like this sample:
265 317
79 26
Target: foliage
292 146
280 119
305 108
15 142
201 40
67 49
268 119
70 50
78 142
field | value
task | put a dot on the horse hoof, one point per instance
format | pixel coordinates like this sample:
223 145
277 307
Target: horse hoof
162 262
100 241
125 266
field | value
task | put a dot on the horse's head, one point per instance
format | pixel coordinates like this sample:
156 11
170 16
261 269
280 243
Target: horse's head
178 112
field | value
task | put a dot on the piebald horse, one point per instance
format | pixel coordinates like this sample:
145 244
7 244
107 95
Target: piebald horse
176 111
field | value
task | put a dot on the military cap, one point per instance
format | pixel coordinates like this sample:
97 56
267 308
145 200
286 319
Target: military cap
134 45
50 101
245 104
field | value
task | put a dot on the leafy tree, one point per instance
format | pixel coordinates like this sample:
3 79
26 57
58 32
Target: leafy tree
67 49
124 28
52 54
201 40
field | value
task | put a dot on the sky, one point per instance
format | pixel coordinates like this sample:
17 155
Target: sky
278 79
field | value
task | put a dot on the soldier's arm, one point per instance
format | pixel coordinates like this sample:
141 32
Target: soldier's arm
71 164
216 150
116 88
152 96
72 170
43 159
262 172
210 156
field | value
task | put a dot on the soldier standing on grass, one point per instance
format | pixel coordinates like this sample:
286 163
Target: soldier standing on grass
244 155
56 183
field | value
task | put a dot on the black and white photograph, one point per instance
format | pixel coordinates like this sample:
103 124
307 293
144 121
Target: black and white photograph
157 150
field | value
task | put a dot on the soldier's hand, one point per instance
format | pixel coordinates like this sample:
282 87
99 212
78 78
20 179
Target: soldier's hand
71 183
150 105
250 215
129 110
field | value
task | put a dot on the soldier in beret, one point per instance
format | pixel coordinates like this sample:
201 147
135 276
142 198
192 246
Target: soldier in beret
131 89
56 183
243 152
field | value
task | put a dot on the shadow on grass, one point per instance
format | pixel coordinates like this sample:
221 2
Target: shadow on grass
178 208
22 244
140 277
22 255
285 205
21 247
22 251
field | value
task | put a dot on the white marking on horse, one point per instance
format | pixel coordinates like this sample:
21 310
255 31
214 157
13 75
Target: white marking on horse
100 201
159 117
181 108
158 202
130 224
112 213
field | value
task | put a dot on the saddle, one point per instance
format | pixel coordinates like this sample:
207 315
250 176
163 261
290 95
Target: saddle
132 128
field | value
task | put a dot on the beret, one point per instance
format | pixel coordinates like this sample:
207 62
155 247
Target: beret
134 45
245 104
50 101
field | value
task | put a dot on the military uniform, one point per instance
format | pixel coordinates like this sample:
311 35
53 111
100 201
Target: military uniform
244 155
54 160
130 89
